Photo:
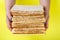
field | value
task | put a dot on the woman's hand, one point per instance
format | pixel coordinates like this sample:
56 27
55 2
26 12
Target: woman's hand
9 5
46 5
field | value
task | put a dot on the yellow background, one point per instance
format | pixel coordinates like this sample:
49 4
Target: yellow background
53 32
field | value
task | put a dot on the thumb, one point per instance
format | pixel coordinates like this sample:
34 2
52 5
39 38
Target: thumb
9 20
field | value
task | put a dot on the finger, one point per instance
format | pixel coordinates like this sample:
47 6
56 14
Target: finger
9 24
46 16
9 16
46 25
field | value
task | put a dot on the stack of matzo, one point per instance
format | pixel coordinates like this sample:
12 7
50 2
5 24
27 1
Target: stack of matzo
28 19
